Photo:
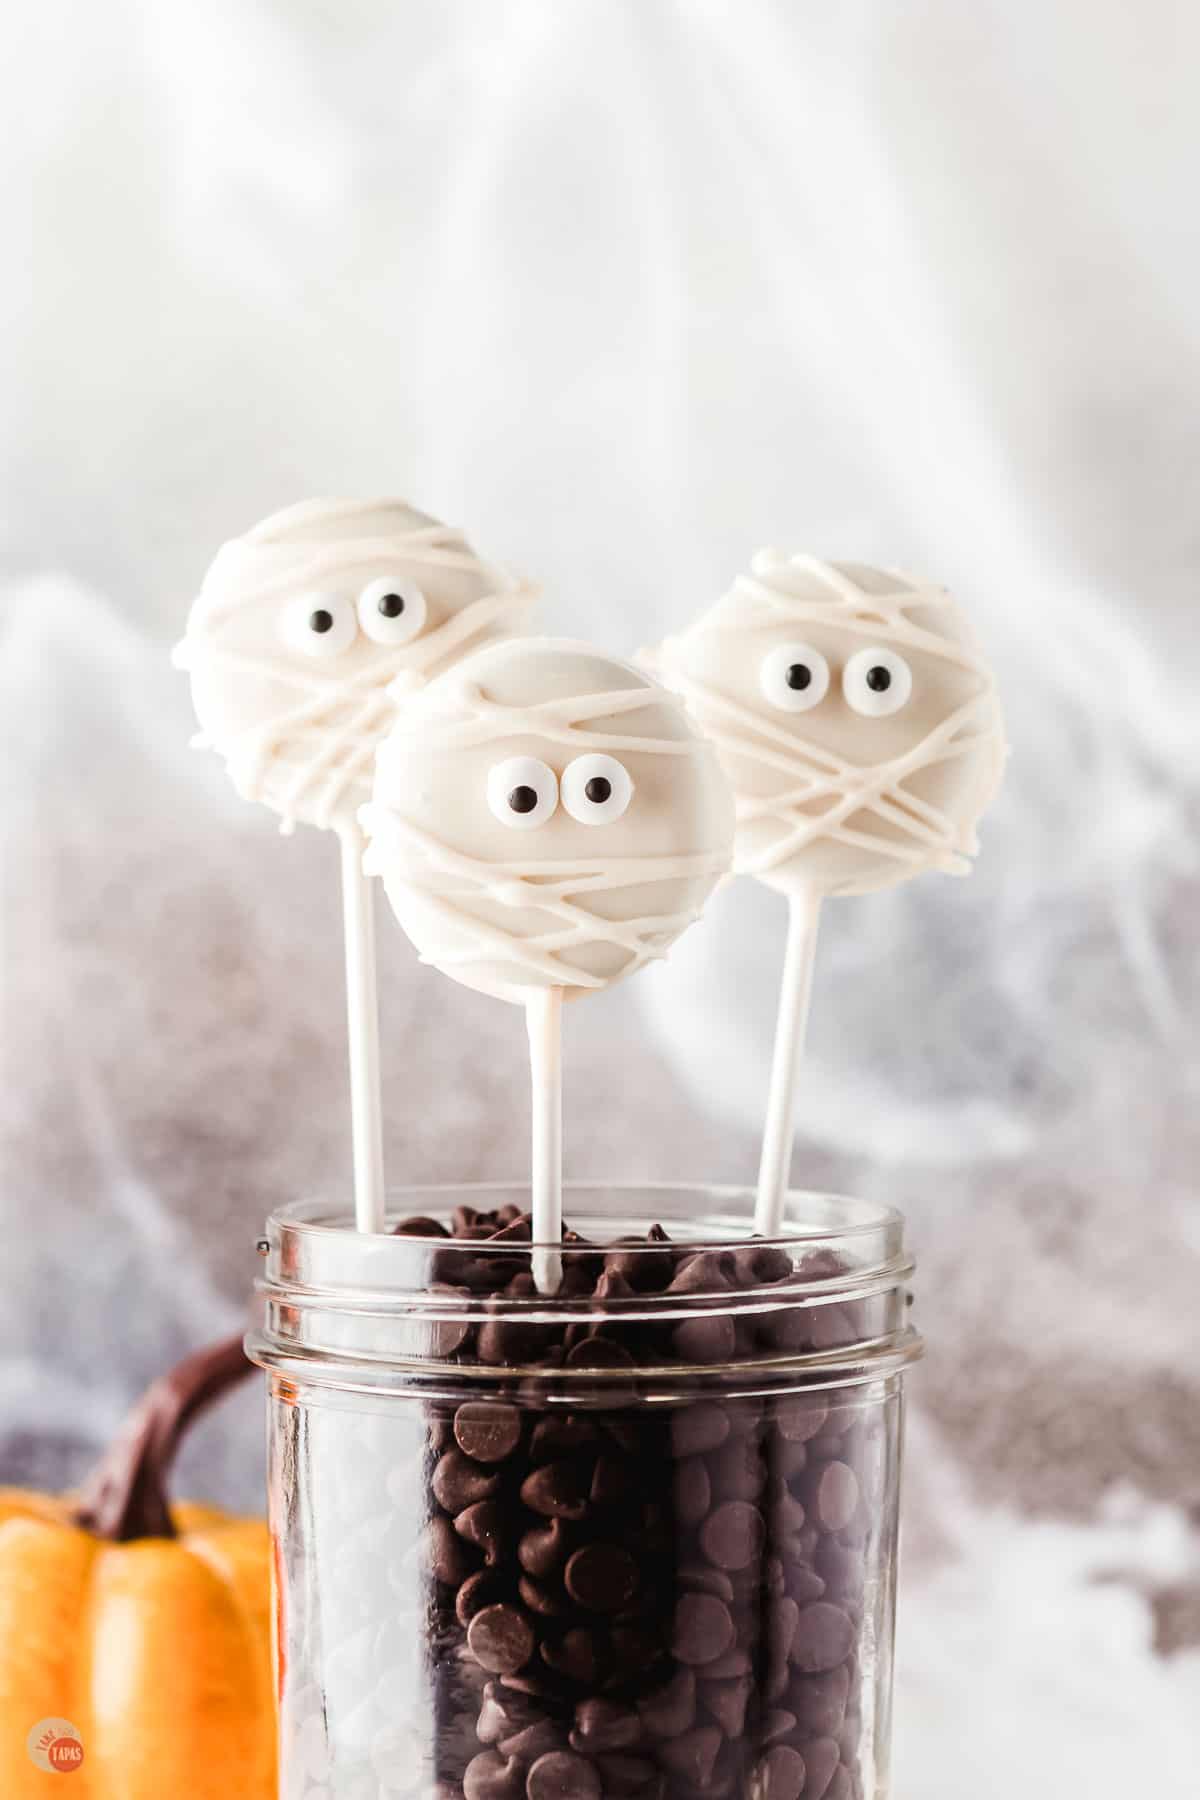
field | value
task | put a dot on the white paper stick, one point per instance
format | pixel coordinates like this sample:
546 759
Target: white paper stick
543 1018
362 1020
804 910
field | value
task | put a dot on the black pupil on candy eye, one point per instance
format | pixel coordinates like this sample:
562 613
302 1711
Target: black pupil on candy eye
879 679
320 620
523 799
392 605
598 789
799 676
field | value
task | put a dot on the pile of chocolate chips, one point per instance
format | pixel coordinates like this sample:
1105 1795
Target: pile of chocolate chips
645 1601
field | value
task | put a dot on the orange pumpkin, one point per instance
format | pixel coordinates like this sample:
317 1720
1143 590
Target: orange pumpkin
147 1626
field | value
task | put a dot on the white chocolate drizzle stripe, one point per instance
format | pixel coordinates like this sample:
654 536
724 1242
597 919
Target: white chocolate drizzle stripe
879 789
532 887
558 721
343 746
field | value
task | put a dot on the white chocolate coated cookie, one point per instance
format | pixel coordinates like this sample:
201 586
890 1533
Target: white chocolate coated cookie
856 720
303 623
546 817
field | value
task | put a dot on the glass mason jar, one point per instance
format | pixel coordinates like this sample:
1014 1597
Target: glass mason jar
636 1539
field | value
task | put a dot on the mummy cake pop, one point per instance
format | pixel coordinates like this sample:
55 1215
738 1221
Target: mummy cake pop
861 731
546 821
303 624
303 635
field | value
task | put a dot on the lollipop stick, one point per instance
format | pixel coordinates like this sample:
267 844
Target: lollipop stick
543 1018
362 1018
803 913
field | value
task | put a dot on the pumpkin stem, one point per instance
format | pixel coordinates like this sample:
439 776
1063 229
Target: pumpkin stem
125 1496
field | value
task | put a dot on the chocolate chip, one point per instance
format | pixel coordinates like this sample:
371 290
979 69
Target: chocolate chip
574 1655
703 1629
761 1263
841 1570
837 1497
777 1725
446 1556
483 1526
732 1537
612 1480
773 1579
458 1482
602 1577
785 1512
479 1590
490 1776
500 1639
820 1702
783 1622
624 1431
599 1353
672 1709
559 1436
800 1420
707 1339
824 1638
737 1471
547 1602
779 1775
727 1702
821 1756
487 1430
500 1714
706 1579
440 1435
612 1285
692 1755
447 1336
513 1231
563 1775
511 1342
693 1491
627 1775
698 1428
420 1227
605 1725
544 1549
535 1680
635 1648
730 1667
554 1491
705 1273
804 1584
536 1739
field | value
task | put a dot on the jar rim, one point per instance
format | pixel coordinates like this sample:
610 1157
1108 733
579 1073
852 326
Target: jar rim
345 1306
828 1213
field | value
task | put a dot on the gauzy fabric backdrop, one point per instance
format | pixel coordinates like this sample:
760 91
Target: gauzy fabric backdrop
627 290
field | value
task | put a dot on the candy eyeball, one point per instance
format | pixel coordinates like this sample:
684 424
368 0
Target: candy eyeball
877 683
392 610
596 789
522 792
794 677
319 625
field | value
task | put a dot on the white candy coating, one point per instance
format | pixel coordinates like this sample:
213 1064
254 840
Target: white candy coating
302 624
525 728
856 720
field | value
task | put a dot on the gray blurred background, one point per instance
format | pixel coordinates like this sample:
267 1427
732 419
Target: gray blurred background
627 290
